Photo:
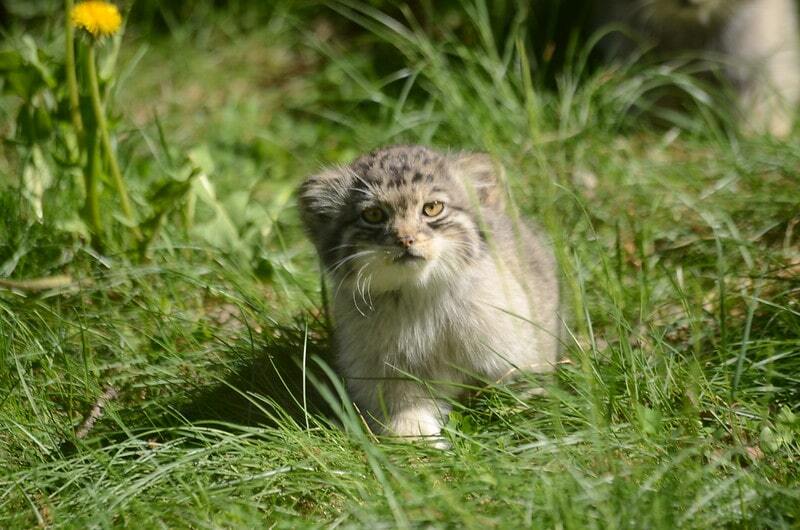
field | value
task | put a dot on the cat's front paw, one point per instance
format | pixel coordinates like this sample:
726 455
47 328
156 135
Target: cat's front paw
766 113
775 122
420 424
780 124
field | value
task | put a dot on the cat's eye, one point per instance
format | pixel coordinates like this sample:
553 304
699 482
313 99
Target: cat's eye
432 209
373 215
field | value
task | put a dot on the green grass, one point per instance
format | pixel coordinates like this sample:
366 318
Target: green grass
678 240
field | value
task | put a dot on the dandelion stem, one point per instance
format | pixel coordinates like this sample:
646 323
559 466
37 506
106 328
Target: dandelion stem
72 81
102 127
90 180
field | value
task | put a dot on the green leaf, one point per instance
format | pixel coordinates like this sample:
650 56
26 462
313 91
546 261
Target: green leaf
36 178
220 232
168 195
32 55
649 419
10 60
200 158
74 225
768 439
788 418
22 83
43 123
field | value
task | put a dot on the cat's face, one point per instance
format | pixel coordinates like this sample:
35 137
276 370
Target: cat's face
399 217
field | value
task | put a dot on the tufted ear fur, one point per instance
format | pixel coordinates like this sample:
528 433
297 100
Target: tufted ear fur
481 175
321 198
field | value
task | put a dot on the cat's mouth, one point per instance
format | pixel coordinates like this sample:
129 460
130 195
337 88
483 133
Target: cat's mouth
409 256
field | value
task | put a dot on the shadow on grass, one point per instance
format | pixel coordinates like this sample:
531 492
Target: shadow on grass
269 380
264 380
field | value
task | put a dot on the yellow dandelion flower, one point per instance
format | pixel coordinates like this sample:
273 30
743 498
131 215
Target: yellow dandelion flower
98 18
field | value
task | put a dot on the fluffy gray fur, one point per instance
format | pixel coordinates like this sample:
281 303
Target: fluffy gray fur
758 40
425 303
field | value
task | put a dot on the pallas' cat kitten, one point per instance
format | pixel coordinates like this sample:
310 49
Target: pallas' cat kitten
433 285
757 39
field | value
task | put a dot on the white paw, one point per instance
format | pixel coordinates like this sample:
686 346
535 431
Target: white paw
415 422
780 125
421 423
766 114
775 123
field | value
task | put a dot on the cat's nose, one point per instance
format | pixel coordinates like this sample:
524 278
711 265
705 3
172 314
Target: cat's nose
405 240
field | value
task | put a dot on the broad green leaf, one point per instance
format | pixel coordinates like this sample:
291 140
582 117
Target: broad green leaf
31 53
22 82
10 60
220 232
36 178
74 225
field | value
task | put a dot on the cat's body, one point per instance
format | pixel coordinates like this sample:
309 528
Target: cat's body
757 40
447 299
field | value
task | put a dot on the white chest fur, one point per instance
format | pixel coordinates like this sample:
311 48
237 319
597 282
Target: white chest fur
482 326
410 331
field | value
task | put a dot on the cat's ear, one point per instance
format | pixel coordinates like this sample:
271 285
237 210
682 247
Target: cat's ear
322 197
482 175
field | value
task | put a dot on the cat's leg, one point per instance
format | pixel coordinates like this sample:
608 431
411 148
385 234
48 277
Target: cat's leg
769 99
418 419
762 43
402 408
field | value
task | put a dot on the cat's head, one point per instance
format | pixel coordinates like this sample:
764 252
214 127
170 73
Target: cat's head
400 217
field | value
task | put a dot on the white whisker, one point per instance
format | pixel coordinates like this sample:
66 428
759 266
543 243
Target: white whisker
355 302
347 259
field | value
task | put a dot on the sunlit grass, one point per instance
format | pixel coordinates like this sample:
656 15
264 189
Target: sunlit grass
677 238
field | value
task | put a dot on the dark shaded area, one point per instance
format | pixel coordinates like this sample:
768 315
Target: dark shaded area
265 382
553 30
260 384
